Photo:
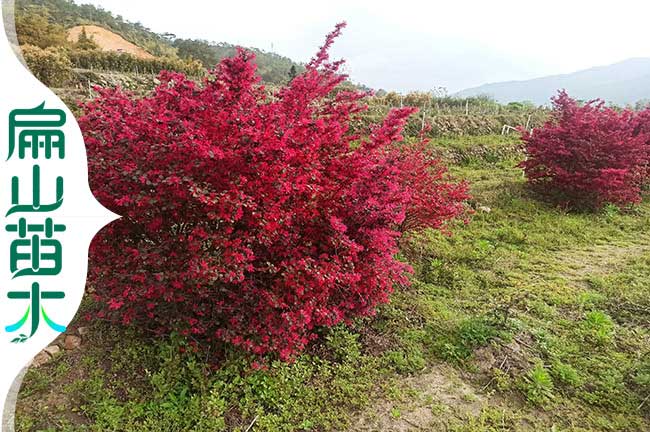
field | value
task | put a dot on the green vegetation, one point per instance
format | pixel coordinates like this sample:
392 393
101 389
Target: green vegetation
50 65
273 68
34 28
527 318
453 117
43 23
66 13
123 62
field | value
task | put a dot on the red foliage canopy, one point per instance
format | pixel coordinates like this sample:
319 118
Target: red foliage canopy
588 155
254 218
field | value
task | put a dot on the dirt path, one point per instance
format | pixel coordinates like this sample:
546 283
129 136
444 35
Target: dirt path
601 259
440 394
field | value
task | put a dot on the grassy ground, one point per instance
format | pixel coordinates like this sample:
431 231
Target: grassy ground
529 318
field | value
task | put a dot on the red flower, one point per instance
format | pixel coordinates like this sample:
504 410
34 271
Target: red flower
115 304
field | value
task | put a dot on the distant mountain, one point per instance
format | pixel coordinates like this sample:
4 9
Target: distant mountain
621 83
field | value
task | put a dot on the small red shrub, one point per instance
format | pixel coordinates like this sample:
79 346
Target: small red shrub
251 218
587 155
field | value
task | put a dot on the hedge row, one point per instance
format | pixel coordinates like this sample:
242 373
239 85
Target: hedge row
53 66
460 124
124 62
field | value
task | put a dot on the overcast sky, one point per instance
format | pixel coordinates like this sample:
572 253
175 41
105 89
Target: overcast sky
417 45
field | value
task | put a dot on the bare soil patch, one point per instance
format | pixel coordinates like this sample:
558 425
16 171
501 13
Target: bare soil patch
108 41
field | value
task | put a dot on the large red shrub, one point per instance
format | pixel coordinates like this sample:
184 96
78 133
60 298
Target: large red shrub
587 155
251 218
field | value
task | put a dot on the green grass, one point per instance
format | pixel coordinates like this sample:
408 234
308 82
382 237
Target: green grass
527 318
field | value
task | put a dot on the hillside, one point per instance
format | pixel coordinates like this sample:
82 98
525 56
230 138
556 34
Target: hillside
622 83
273 68
106 40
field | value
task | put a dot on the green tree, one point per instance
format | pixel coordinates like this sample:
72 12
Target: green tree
85 42
197 49
292 72
33 27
